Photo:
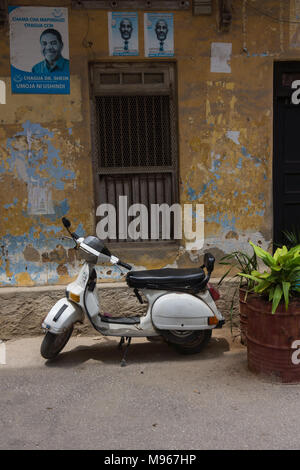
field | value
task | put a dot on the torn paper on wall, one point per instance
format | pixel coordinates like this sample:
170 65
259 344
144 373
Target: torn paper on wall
220 57
39 200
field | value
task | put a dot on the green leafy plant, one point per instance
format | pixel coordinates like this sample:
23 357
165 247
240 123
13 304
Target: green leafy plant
243 262
292 237
239 260
282 281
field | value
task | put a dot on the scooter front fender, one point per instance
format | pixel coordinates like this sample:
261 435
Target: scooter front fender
62 316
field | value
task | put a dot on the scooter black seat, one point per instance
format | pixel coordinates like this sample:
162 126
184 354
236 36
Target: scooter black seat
192 279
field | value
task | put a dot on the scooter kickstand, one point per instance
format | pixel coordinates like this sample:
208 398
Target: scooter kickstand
123 362
121 342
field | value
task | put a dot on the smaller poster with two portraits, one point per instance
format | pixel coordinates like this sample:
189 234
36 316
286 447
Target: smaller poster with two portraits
39 50
159 34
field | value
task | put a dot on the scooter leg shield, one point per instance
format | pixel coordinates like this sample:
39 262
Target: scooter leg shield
62 316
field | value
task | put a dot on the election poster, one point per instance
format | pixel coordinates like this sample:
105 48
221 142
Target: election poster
123 33
39 50
159 36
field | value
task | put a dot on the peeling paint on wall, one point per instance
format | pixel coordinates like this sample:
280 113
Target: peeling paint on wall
36 170
234 136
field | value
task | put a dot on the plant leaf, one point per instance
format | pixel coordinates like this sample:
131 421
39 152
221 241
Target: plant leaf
277 297
223 277
261 286
286 289
264 255
249 276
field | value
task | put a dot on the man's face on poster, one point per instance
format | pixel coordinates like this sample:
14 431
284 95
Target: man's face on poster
126 29
161 29
51 47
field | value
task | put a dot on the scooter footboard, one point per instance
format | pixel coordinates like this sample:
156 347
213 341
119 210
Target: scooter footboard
62 316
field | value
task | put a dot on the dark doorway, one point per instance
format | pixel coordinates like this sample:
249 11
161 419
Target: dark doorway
286 161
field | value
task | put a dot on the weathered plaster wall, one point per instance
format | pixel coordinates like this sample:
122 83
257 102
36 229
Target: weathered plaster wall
225 144
23 309
45 173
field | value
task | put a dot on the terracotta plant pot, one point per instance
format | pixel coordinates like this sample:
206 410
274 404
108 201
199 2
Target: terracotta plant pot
270 338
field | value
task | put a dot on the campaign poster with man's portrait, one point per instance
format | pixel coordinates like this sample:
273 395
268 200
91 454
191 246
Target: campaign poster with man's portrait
159 36
123 33
39 50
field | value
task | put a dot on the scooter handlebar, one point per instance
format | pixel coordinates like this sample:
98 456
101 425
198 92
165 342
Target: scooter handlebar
124 265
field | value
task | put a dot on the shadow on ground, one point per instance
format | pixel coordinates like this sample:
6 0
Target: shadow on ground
107 351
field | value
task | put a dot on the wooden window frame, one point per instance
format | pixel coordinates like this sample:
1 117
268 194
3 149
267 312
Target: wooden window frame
169 87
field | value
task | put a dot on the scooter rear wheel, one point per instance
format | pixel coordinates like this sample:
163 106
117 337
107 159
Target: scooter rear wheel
53 344
188 342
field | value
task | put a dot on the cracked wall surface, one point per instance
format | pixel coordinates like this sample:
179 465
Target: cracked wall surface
225 139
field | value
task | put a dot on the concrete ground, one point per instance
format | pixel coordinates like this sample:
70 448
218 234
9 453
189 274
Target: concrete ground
161 400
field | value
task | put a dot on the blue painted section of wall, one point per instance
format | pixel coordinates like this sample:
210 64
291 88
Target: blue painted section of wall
33 158
37 161
225 222
9 206
257 161
219 169
193 196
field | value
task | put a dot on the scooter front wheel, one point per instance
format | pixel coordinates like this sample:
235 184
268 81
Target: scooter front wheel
52 344
188 342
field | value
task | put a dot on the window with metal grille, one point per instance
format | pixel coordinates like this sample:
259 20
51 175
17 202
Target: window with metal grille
135 138
133 131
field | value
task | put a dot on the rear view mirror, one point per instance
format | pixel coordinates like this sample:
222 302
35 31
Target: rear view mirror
66 222
209 262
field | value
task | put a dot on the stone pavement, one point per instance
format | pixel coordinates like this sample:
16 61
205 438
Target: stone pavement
161 400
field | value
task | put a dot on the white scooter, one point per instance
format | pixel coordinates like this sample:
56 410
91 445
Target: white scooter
181 305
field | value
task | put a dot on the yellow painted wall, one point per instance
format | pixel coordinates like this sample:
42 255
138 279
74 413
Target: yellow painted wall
225 142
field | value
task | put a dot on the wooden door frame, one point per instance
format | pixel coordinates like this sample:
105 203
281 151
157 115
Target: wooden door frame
280 94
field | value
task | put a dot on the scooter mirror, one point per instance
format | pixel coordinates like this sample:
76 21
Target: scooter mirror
66 222
209 262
